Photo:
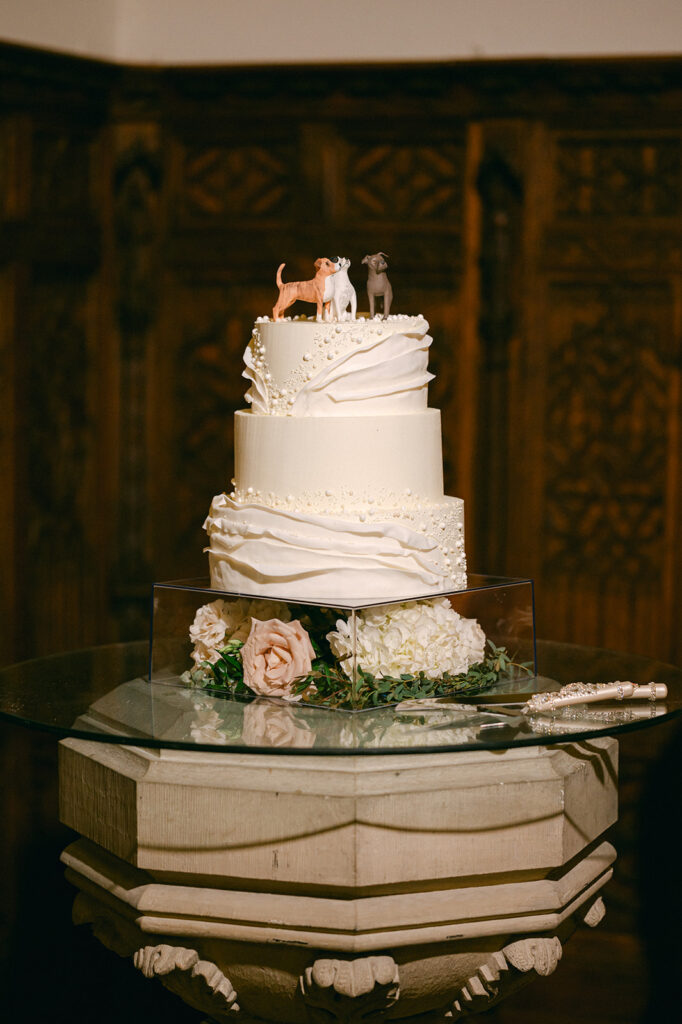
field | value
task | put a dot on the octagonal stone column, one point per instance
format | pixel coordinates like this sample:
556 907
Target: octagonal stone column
288 889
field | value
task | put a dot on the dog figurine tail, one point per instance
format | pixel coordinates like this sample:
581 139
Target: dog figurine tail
279 275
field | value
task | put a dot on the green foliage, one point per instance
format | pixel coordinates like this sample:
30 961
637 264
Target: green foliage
333 688
328 686
225 675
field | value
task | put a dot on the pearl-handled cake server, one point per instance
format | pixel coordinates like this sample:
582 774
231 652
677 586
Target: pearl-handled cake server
593 693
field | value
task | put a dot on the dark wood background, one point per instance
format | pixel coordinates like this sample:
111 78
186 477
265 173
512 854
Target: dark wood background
532 212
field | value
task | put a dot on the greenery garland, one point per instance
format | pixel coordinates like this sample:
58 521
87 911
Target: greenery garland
328 686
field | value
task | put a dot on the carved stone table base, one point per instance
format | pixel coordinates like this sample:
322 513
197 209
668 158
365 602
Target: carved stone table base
293 889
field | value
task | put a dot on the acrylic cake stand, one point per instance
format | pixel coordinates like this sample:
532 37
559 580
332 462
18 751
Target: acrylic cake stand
326 867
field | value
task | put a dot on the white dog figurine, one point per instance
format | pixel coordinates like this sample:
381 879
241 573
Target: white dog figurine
340 292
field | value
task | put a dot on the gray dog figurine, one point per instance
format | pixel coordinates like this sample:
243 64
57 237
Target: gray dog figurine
377 281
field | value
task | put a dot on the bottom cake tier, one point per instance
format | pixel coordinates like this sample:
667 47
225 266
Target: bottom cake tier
370 554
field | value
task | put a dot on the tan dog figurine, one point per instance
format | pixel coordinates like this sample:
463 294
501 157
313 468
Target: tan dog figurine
307 291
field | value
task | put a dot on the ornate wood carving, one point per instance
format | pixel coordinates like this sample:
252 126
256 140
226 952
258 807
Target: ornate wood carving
607 388
418 182
350 991
613 248
237 181
618 176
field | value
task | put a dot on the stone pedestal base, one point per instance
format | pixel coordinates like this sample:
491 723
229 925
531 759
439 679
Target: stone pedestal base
293 889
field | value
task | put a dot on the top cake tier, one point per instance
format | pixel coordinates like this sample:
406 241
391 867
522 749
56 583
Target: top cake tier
313 368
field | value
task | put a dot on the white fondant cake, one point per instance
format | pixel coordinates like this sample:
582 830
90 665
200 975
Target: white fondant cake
338 488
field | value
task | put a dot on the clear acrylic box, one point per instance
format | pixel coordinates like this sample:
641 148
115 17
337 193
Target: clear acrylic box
343 657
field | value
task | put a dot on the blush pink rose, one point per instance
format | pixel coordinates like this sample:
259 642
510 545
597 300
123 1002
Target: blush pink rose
275 655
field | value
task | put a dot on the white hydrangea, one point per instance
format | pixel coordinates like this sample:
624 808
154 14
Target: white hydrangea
220 621
415 636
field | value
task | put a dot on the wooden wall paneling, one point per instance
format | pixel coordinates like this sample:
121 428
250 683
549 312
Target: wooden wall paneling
57 546
500 182
609 499
528 369
106 368
13 201
8 520
674 473
137 241
465 399
51 110
56 395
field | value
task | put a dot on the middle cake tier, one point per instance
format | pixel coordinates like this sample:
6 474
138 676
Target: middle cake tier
333 463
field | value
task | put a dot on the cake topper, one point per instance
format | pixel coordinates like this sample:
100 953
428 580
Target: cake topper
307 291
340 292
377 281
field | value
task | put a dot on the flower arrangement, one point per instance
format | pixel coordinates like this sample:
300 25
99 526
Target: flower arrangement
321 656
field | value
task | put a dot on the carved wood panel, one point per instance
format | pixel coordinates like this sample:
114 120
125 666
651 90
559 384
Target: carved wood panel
56 523
419 182
236 181
605 429
598 368
618 175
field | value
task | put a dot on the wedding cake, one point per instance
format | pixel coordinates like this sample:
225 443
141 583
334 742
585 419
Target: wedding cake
338 489
338 560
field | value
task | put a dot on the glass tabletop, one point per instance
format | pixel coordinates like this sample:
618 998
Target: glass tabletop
102 694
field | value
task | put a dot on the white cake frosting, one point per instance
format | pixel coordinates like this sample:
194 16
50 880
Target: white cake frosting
338 487
362 367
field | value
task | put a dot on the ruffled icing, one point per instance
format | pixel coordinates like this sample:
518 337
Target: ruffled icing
386 369
386 374
258 394
258 549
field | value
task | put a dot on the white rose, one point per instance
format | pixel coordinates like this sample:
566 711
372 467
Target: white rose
203 653
221 621
207 632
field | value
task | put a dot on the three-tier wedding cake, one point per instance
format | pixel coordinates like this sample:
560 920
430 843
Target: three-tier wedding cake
337 567
338 487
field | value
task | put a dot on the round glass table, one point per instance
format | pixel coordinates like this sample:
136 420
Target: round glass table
102 694
428 881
